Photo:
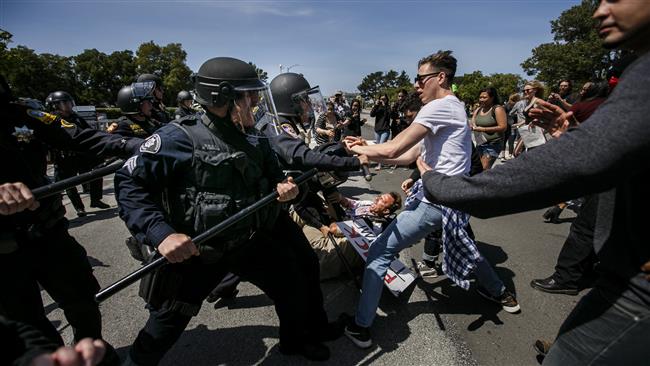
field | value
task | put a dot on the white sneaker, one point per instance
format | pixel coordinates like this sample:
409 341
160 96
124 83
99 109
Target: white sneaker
426 271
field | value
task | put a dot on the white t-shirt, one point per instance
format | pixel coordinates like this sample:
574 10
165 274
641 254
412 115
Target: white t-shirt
447 148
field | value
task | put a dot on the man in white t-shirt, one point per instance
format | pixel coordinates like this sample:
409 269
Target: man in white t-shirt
441 136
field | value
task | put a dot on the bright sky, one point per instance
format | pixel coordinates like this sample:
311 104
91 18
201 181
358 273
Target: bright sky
333 43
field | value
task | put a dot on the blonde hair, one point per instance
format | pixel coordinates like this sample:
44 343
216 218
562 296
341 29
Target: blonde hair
539 88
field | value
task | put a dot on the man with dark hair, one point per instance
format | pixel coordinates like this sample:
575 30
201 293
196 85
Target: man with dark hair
609 324
440 135
565 97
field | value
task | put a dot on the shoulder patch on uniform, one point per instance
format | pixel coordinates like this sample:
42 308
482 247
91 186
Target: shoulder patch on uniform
130 164
44 117
151 144
288 128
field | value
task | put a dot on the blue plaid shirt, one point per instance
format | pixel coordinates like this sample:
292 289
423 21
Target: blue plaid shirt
459 252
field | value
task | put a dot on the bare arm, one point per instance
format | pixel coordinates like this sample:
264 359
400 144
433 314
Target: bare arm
405 159
396 147
502 122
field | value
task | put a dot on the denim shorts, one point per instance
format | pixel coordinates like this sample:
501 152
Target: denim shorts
492 149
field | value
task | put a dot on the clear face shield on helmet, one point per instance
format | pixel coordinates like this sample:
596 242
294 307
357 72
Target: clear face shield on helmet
143 90
253 106
312 105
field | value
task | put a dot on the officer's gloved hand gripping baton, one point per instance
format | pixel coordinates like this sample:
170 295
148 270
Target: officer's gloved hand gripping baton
206 235
109 167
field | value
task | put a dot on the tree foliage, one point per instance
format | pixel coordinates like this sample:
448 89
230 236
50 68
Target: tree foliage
575 53
92 77
470 85
379 82
167 61
263 75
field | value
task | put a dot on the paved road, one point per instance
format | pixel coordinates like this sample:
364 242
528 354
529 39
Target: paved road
434 323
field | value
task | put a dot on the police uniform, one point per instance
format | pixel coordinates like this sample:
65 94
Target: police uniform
131 127
35 247
293 153
70 163
159 113
205 170
183 112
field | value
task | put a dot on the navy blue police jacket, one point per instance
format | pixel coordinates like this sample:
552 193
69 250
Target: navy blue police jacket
162 161
25 137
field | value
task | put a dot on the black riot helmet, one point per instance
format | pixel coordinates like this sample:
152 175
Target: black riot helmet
220 79
149 77
295 98
52 101
130 97
284 88
183 95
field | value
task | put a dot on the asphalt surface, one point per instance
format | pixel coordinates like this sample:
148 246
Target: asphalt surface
433 323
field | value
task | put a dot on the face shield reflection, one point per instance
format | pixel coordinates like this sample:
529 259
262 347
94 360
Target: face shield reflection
253 107
312 105
143 89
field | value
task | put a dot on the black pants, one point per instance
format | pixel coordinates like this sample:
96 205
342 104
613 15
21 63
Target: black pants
577 256
71 166
603 329
59 264
280 262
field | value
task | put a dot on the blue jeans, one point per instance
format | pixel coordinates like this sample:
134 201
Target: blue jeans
381 137
603 329
411 225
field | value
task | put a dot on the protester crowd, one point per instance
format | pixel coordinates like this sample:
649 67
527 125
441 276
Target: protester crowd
187 172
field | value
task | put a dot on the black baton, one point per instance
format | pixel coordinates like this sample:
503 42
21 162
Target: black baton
62 185
206 235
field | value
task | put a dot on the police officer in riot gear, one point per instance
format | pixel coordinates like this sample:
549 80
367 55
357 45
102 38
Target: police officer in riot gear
69 163
136 103
184 99
206 168
297 103
159 112
36 249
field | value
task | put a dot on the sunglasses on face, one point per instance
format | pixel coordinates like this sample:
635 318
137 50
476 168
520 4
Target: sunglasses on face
421 79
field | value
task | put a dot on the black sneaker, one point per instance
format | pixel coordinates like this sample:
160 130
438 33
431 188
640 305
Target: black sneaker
359 335
507 300
81 212
99 204
551 286
309 350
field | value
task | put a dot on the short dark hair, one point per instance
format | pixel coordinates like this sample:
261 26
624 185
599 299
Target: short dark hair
403 91
443 61
397 202
412 102
492 93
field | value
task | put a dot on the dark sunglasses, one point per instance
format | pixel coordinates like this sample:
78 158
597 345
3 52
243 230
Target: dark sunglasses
420 79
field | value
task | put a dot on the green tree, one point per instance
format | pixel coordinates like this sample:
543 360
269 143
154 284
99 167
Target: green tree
379 82
263 75
167 61
470 85
575 53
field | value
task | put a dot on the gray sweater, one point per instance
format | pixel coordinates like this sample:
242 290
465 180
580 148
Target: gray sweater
609 155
